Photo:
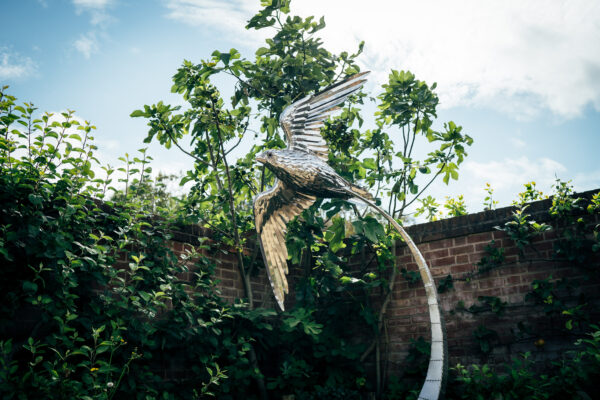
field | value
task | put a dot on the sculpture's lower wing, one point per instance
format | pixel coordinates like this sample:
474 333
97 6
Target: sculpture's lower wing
273 209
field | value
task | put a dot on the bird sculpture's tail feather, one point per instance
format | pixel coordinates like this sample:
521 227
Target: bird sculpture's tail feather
438 362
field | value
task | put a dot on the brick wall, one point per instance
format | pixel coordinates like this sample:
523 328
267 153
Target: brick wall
453 247
226 272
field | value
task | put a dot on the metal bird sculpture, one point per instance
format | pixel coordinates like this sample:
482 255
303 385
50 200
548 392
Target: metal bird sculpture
303 175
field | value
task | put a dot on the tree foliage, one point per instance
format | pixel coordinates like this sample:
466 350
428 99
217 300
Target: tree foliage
294 63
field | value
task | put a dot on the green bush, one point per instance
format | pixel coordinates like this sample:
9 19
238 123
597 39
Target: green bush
73 322
76 323
571 377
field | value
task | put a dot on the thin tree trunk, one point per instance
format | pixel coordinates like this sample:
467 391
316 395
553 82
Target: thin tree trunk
260 382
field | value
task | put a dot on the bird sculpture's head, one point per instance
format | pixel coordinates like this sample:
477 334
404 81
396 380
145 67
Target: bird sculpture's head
270 158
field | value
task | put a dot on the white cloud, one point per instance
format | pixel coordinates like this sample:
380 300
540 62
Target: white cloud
518 57
109 144
587 181
86 45
518 143
229 17
509 173
507 177
15 66
97 9
97 4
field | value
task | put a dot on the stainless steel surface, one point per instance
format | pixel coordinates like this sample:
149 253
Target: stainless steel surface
438 361
302 175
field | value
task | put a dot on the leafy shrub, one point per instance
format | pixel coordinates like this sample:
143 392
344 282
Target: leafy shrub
73 322
571 377
93 304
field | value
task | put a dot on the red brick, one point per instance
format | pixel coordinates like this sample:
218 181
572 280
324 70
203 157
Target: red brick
476 257
481 247
402 331
228 293
518 269
516 289
492 292
499 235
480 237
440 244
401 285
227 283
229 257
462 268
398 320
515 298
407 302
404 259
544 246
430 255
422 319
491 283
409 266
536 276
463 250
175 246
462 258
459 241
228 274
407 310
238 284
441 271
511 250
445 261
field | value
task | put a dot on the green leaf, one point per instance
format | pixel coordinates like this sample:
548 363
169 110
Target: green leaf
569 324
369 163
138 113
348 279
372 229
225 57
30 286
261 51
335 234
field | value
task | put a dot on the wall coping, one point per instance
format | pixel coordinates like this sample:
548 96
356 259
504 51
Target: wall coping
483 221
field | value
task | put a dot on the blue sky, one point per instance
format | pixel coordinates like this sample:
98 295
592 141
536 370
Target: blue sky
522 78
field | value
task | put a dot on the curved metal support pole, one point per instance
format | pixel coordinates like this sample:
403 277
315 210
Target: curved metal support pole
435 381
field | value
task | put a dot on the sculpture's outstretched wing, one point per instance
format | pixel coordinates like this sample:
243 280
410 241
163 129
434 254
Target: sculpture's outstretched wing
273 209
302 120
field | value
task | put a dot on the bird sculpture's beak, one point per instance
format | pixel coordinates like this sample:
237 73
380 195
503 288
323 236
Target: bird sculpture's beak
261 158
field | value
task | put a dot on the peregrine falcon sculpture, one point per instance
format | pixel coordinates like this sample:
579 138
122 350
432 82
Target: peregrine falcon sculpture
303 175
